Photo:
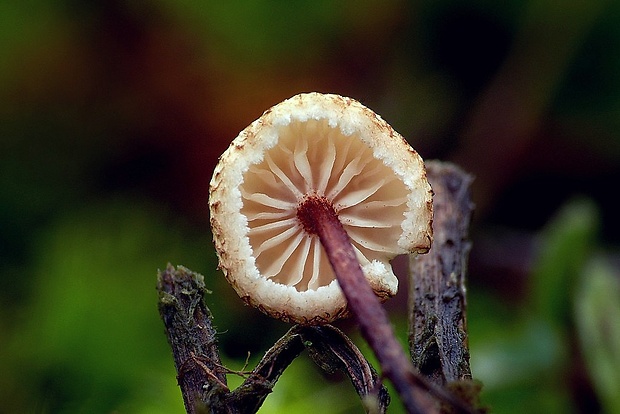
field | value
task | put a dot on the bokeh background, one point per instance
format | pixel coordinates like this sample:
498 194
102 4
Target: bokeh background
113 114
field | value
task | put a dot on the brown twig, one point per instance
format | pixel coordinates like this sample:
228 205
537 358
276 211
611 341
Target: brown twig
191 335
437 324
250 395
201 376
328 347
332 350
437 293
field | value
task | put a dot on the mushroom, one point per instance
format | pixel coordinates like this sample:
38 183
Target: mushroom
310 157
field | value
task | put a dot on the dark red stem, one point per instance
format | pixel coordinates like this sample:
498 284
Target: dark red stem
318 216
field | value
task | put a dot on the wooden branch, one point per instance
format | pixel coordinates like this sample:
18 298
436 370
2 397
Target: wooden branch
201 376
437 297
192 337
249 396
332 350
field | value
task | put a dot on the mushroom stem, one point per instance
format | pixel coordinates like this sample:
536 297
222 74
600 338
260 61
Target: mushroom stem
318 217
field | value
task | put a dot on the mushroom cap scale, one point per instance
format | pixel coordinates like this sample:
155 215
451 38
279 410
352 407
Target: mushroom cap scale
315 146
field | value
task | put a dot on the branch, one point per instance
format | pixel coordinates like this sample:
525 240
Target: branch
329 348
437 297
192 337
201 376
250 395
332 350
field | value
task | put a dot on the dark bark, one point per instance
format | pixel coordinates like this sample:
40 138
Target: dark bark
437 297
192 337
250 395
332 350
201 376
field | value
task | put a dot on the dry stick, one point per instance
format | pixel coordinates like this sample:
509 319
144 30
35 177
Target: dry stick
201 376
437 301
332 350
249 396
318 216
329 348
191 336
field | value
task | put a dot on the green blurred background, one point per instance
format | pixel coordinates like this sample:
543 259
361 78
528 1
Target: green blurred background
113 114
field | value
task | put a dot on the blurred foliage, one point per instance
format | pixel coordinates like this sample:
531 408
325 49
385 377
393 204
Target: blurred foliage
566 243
113 114
597 312
523 355
89 339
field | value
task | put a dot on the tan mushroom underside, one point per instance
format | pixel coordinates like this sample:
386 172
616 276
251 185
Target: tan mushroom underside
326 146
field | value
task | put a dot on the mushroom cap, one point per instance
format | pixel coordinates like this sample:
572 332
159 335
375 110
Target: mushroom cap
316 145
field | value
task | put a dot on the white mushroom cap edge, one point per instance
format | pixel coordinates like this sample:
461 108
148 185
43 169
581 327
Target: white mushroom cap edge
305 133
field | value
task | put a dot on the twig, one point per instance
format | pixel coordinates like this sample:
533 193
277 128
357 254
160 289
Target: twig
201 376
250 395
437 296
328 347
332 350
192 337
437 325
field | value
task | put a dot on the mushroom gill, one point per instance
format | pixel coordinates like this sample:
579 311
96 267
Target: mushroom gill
313 160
